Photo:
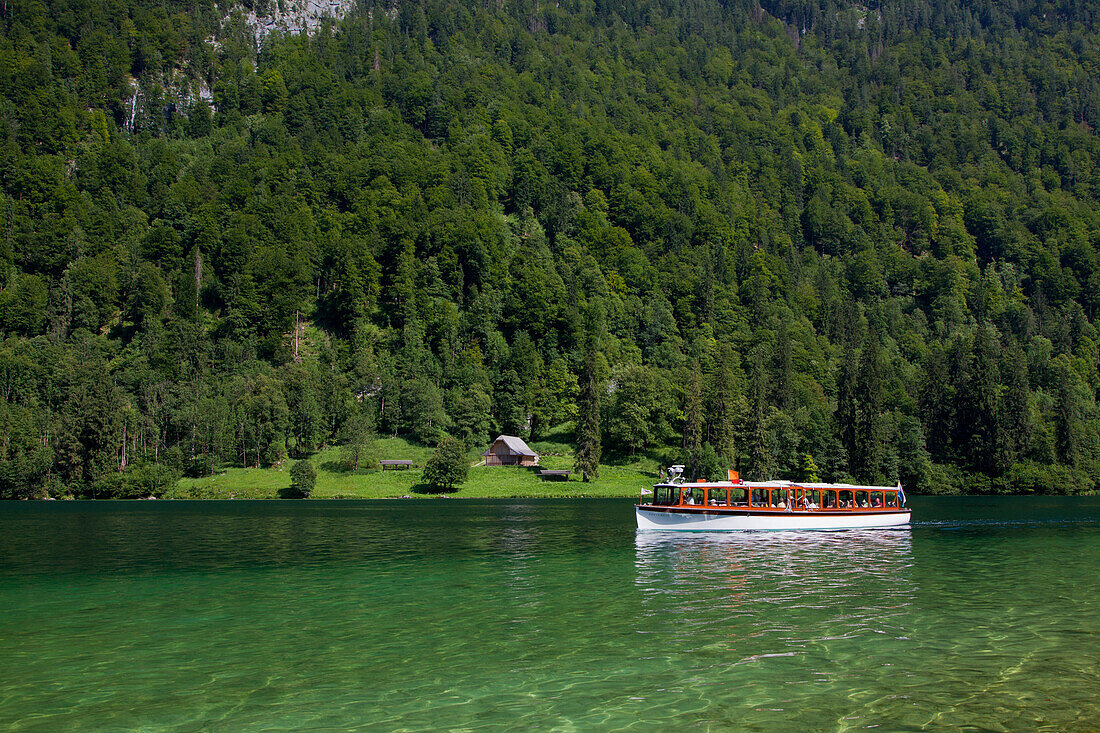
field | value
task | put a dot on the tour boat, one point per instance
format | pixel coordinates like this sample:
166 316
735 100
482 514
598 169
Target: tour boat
767 505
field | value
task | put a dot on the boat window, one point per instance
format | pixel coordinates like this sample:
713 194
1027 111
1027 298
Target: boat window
891 499
739 497
664 495
862 500
845 499
876 499
695 496
716 497
759 497
807 499
779 497
829 500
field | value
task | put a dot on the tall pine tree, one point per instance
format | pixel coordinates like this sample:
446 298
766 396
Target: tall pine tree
587 458
693 420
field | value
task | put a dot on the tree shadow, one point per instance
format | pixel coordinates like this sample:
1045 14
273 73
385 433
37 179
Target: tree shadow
425 489
346 470
617 459
288 492
621 458
536 471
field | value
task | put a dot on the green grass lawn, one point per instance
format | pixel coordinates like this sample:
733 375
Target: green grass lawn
623 479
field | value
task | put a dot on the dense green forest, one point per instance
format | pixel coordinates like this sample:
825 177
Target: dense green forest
795 237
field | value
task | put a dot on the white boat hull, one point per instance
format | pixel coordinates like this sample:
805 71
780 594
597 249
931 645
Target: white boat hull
701 520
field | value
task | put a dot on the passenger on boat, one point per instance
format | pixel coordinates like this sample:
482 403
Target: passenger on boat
877 502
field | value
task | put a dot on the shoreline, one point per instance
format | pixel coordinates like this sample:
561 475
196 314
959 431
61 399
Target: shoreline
334 480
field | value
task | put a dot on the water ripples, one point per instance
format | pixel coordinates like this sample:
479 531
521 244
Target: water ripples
424 615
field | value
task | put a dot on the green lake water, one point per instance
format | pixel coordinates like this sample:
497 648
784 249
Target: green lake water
545 615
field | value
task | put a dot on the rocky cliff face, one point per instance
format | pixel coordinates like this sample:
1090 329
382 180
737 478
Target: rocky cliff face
296 16
159 94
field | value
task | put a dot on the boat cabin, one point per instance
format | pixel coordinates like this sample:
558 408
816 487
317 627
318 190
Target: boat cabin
770 505
777 495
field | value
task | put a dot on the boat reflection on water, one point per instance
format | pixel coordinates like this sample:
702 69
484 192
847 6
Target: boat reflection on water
777 592
769 547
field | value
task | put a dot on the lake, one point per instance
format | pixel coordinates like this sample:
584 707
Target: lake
544 614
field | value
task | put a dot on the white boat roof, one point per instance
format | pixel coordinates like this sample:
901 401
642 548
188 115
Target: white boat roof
848 486
780 485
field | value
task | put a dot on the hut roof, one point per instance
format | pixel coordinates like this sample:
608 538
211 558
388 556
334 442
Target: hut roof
515 445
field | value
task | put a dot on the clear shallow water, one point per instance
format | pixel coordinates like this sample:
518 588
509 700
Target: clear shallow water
432 614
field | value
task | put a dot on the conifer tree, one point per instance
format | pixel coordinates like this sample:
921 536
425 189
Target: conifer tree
867 465
1015 417
693 420
722 413
1067 419
979 401
783 369
937 398
757 459
807 469
587 457
847 406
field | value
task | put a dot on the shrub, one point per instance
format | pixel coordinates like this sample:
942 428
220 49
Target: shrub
943 478
137 483
303 478
448 467
200 466
1038 478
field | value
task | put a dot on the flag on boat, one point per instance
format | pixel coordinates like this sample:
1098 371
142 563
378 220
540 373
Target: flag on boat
901 495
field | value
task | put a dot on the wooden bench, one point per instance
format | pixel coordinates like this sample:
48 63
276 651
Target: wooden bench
395 464
554 475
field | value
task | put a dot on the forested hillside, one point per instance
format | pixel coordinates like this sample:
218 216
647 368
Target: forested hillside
789 237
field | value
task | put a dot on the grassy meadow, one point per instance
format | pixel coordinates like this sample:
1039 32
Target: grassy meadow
625 478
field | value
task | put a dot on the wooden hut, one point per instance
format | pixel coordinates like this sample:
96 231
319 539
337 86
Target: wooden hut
508 450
